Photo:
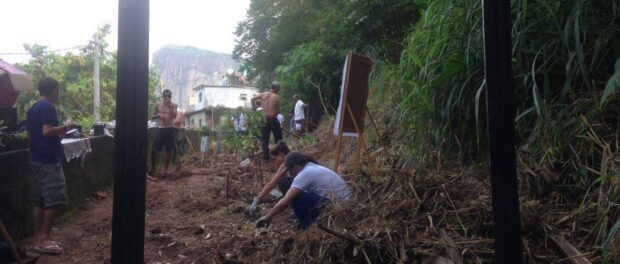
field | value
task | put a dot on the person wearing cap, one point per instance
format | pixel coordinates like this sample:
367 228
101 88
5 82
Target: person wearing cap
312 186
270 103
277 154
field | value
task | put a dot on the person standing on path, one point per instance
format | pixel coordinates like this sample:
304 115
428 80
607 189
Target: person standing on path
46 154
280 118
165 113
298 114
270 103
180 142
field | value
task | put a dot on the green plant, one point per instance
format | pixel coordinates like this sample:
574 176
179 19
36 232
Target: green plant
306 140
205 130
21 135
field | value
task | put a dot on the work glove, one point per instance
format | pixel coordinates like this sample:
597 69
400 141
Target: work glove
251 211
263 222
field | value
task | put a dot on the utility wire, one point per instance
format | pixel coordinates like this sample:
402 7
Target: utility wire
47 51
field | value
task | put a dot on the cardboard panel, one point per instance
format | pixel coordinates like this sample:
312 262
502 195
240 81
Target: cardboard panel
354 92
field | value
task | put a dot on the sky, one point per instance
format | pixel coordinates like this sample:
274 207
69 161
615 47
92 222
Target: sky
59 24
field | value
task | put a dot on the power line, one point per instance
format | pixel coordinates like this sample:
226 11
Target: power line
47 51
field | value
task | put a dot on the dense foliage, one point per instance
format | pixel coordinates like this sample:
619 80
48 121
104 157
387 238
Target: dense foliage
428 79
302 44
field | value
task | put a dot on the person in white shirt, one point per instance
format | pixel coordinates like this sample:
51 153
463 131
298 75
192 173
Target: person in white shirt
312 186
281 120
240 122
278 154
298 113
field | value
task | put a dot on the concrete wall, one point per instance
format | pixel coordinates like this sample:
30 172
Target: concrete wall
17 186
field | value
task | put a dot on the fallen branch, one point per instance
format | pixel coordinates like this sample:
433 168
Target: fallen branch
451 250
573 254
330 231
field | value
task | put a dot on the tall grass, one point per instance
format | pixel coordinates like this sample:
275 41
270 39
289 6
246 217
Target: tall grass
568 107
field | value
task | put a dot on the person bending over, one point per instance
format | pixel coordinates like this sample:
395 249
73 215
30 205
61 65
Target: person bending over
313 185
277 154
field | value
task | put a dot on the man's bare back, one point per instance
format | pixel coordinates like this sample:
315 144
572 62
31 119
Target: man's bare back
270 102
179 121
165 113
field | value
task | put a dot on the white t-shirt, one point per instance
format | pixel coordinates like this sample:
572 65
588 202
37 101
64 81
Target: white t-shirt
321 181
299 110
281 119
240 123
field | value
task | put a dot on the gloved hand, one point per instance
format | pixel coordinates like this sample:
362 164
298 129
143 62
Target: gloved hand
263 222
251 211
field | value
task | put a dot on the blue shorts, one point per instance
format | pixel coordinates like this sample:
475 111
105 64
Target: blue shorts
51 185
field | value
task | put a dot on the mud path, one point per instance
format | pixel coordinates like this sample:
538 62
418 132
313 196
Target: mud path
188 218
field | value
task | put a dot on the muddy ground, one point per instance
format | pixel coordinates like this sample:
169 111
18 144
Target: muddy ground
189 217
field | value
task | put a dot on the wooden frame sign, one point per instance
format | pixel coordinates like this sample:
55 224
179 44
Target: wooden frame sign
352 107
353 95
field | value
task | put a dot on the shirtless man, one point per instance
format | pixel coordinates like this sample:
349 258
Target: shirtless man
270 102
179 127
165 113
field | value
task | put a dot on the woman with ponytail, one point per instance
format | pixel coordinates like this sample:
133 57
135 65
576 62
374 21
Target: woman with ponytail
312 186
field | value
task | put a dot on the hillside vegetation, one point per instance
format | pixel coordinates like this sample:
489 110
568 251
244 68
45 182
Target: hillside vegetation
427 88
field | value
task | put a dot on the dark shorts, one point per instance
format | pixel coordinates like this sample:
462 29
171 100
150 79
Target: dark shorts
180 140
284 184
164 137
51 189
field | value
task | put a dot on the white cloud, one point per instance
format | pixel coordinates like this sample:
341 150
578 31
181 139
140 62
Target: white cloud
206 24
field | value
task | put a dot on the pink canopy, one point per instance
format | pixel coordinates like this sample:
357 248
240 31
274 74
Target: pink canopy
12 81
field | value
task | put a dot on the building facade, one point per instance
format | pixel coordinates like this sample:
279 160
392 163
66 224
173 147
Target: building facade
211 103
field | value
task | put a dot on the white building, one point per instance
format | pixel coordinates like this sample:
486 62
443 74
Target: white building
212 102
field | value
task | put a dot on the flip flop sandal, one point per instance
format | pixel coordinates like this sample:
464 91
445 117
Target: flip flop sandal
52 249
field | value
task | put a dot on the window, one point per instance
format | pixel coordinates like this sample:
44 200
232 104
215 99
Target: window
200 97
200 122
243 97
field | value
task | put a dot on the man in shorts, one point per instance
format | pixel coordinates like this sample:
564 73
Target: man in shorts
270 102
180 142
165 113
46 154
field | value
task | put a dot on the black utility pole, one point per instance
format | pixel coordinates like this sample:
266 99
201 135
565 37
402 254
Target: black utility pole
500 124
131 132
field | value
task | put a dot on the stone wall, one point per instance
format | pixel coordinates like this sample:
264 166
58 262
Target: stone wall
17 186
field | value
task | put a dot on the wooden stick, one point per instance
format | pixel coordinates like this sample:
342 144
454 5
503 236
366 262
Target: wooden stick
451 249
379 136
573 254
361 140
338 146
227 186
328 230
344 108
8 239
358 149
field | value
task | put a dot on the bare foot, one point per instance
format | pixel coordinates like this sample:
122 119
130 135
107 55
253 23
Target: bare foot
48 247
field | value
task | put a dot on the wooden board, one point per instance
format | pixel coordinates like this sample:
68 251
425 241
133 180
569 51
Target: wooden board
354 92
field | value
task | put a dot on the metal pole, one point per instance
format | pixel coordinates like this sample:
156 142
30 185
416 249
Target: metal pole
500 125
131 132
96 95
